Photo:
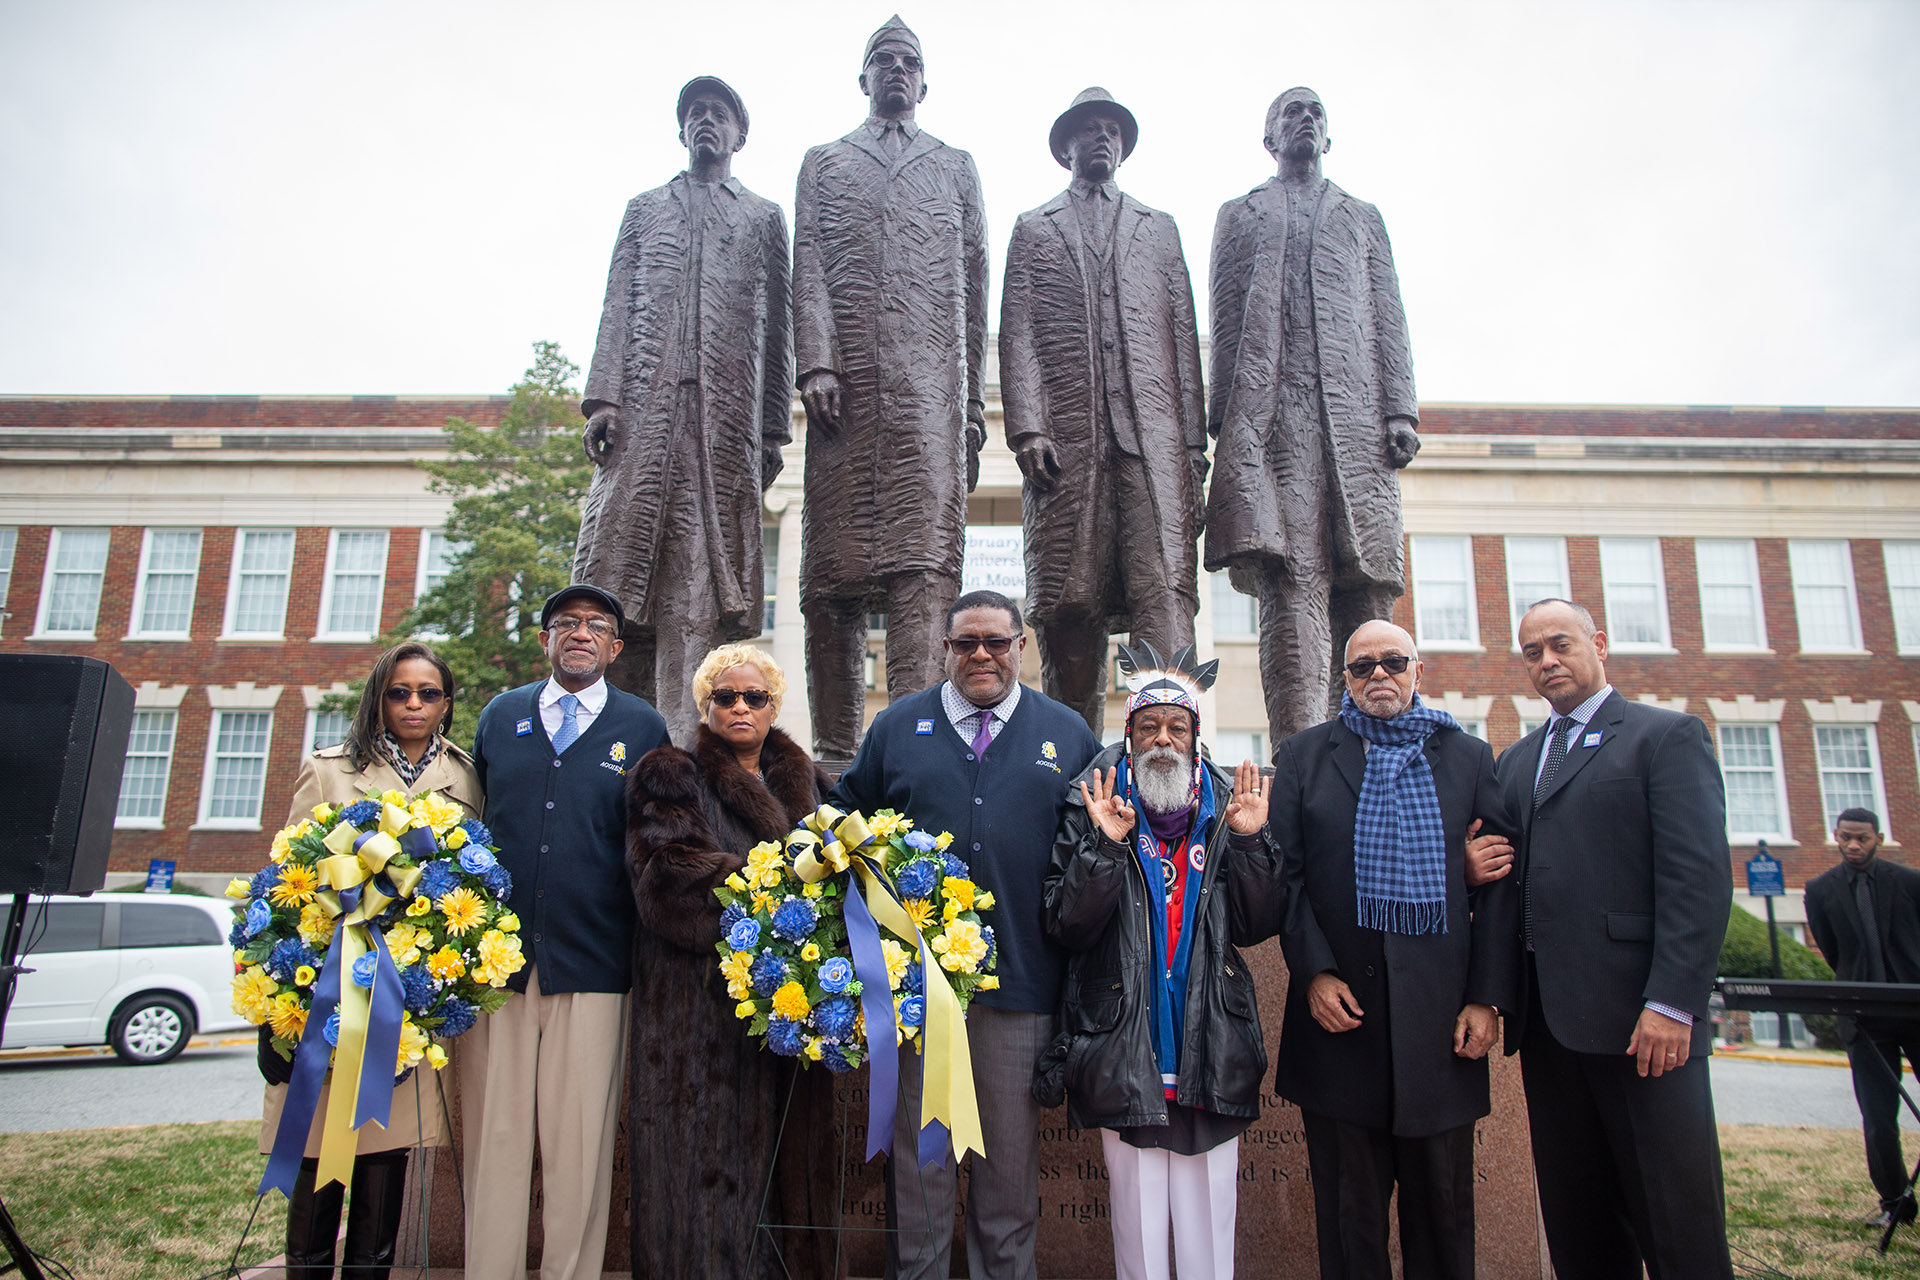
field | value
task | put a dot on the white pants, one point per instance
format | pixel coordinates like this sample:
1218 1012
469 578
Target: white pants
1197 1194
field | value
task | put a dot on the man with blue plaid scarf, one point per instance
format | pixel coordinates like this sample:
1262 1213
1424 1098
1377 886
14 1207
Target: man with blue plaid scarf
1396 971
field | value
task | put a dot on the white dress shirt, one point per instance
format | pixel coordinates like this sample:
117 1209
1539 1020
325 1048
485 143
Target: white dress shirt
593 700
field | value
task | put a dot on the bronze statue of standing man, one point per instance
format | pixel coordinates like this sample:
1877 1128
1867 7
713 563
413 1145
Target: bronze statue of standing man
890 330
1312 412
1100 378
687 406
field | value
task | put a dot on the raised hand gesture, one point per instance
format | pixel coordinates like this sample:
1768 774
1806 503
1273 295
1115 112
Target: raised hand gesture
1109 810
1247 812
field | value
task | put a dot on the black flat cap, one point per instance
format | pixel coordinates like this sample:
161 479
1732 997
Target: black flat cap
584 591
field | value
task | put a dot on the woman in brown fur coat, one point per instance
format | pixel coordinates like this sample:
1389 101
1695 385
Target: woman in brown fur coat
705 1101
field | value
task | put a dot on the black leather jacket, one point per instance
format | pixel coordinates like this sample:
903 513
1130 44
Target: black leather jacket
1101 1059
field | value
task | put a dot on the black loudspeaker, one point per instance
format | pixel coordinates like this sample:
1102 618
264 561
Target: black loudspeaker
63 744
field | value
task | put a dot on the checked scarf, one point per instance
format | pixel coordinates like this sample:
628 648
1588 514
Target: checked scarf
1399 842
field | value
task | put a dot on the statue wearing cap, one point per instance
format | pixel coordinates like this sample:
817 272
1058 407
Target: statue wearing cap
687 407
890 329
1100 378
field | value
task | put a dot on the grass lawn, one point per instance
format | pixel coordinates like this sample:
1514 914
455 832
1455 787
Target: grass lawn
169 1202
161 1203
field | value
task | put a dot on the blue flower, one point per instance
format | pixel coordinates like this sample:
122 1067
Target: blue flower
794 919
786 1037
957 868
416 989
833 1017
835 974
732 916
836 1059
456 1017
913 1011
259 916
364 968
476 833
911 983
993 948
476 861
237 936
402 1077
917 878
498 882
332 1030
769 971
263 880
922 841
287 956
744 933
360 813
437 880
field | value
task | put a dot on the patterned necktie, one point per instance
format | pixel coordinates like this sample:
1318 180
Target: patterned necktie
1556 756
569 727
984 738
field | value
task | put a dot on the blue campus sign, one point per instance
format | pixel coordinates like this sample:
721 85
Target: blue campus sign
159 876
1764 879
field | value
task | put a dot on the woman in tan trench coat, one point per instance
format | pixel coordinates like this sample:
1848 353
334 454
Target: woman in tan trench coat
396 742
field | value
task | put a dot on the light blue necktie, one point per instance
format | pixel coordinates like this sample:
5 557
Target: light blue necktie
569 727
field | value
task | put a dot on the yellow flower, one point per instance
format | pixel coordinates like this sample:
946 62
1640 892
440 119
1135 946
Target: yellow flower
990 983
813 890
764 902
884 824
949 911
436 811
446 963
745 1009
237 888
436 1057
286 1017
404 941
737 883
920 911
302 828
507 923
958 889
398 799
810 952
413 1046
983 903
253 993
960 948
239 961
304 976
420 906
735 969
500 958
815 1050
764 865
321 812
296 885
456 839
942 840
316 927
282 845
898 958
463 910
790 1001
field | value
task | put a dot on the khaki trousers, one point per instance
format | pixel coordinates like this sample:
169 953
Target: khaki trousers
551 1068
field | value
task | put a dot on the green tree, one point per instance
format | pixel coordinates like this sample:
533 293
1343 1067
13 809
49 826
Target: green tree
516 492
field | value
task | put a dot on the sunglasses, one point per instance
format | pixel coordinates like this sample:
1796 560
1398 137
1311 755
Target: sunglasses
995 645
754 698
399 696
1361 668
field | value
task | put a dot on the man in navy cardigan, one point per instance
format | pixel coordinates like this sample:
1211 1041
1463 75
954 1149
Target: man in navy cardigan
989 760
553 758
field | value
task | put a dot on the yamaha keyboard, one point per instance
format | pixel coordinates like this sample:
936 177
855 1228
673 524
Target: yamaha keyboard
1887 1001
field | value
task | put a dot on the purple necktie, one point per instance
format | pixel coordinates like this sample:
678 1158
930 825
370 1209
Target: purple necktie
983 739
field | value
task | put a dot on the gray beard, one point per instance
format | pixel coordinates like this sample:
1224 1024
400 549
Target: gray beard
1165 786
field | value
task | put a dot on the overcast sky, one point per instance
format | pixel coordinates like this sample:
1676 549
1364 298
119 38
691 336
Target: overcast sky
1666 203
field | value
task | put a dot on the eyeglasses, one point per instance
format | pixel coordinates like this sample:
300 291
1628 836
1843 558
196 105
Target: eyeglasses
961 646
399 696
598 628
754 698
1361 668
883 59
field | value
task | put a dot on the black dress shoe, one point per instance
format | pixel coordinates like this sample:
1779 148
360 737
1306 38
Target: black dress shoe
1878 1219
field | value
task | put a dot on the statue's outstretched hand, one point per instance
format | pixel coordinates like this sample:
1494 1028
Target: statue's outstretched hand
1109 811
1402 441
820 393
1039 463
597 439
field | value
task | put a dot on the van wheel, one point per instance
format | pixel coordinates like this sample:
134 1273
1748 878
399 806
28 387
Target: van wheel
151 1029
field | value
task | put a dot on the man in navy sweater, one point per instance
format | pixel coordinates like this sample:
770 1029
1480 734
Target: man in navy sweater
553 758
989 760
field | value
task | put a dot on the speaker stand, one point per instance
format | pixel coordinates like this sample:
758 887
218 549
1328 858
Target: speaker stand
23 1260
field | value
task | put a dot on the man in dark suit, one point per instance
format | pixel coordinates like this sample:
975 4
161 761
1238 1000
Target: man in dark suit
1396 972
1626 883
1865 914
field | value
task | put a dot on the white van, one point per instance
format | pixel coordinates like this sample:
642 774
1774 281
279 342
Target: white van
141 972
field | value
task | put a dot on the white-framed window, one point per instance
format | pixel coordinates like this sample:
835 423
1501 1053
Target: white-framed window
1236 616
70 595
1231 746
1444 613
769 575
143 785
1756 784
1536 571
9 539
1732 614
1823 596
236 771
1635 584
257 588
1850 771
325 729
1903 592
356 573
1528 724
163 593
437 551
1478 728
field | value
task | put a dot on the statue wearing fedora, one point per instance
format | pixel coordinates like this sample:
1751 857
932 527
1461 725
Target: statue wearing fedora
1100 378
